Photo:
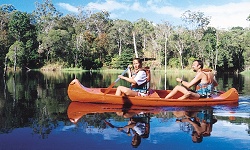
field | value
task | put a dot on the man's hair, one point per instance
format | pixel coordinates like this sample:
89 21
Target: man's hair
199 63
198 138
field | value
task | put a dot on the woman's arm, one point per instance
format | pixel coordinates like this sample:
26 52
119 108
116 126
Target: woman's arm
131 80
129 71
127 126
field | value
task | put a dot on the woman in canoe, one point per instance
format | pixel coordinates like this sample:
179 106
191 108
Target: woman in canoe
137 78
204 80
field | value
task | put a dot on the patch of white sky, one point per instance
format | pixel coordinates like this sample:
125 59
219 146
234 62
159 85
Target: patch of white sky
223 14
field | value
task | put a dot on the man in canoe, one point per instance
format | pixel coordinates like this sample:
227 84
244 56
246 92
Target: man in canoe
137 78
203 80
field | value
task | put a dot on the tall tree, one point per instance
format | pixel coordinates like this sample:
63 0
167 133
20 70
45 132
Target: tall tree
120 36
231 49
197 22
79 42
46 17
144 29
99 24
23 32
163 32
180 41
209 40
5 12
56 45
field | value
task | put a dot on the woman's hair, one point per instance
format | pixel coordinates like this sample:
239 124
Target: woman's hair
139 60
136 140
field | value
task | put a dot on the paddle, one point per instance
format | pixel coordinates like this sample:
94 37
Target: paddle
109 88
109 124
112 126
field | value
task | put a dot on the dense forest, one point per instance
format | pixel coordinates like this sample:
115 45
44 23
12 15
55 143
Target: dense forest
93 40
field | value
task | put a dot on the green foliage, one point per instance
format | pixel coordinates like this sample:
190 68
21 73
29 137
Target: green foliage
93 40
174 63
97 64
121 62
190 61
15 51
23 34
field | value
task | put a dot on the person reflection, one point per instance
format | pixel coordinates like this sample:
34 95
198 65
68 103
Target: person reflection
138 126
201 122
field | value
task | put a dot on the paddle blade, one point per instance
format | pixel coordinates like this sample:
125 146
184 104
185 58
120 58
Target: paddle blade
109 88
109 124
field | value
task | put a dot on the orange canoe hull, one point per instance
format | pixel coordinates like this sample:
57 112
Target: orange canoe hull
77 92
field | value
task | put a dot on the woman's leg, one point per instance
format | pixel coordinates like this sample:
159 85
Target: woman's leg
125 90
118 91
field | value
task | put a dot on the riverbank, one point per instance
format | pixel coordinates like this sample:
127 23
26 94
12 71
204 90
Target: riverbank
55 67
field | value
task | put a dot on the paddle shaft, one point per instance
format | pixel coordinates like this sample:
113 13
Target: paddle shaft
109 124
112 126
109 88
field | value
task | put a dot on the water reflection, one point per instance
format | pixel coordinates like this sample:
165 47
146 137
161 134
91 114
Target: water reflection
138 118
197 122
35 114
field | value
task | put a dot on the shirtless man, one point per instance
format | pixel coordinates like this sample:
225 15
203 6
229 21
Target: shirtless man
203 79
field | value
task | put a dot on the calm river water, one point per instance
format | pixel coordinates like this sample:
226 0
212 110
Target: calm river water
36 113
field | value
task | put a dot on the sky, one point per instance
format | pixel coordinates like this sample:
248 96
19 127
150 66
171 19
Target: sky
223 14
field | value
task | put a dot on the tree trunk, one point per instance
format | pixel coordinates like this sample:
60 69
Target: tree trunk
180 52
144 43
5 67
180 48
15 59
76 59
216 56
136 54
120 46
165 49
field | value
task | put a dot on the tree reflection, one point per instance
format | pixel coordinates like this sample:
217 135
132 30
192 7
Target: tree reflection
25 105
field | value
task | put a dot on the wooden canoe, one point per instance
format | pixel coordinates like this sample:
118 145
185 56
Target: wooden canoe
80 93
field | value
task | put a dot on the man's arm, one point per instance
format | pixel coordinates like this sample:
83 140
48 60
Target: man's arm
197 78
215 81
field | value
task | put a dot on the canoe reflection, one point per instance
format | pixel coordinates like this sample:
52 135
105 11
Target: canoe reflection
78 109
197 122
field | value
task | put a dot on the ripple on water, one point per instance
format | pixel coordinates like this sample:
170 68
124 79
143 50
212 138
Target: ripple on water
242 110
